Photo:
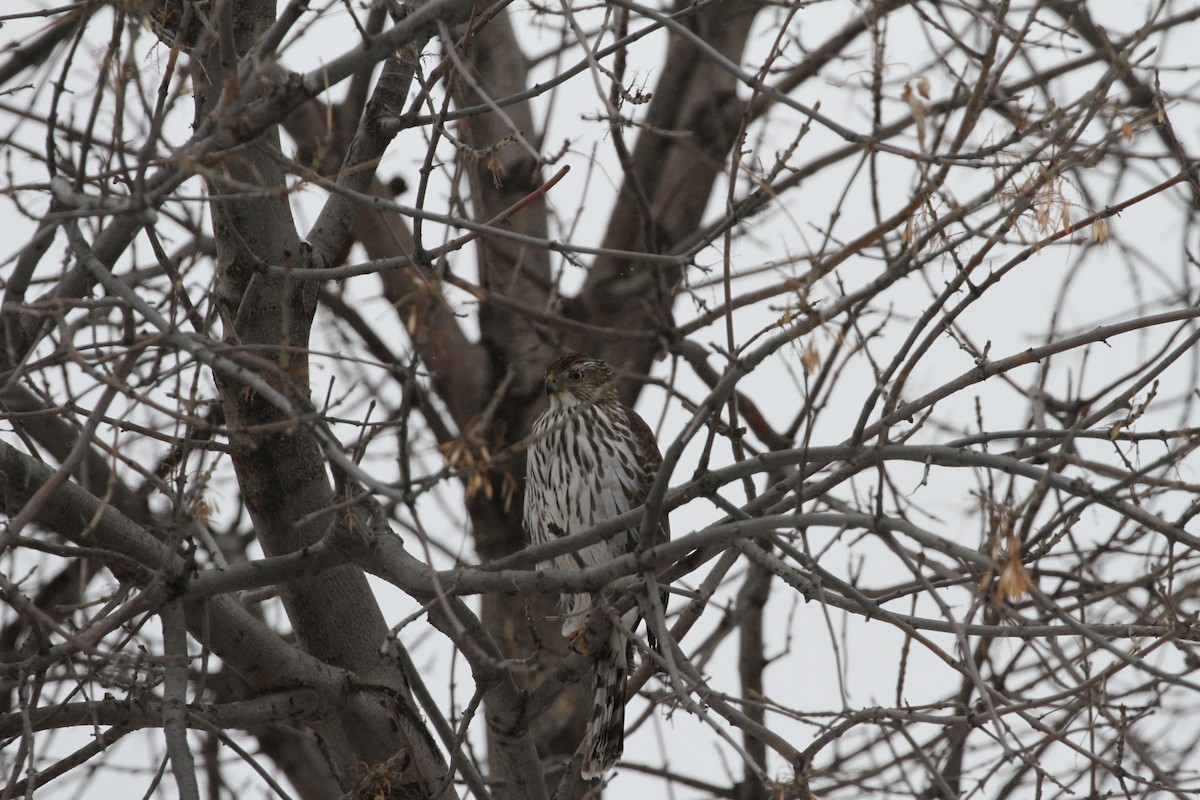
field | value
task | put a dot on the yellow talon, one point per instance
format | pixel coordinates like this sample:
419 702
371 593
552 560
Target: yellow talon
578 641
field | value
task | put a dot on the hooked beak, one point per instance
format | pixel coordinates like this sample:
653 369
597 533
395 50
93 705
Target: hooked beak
551 384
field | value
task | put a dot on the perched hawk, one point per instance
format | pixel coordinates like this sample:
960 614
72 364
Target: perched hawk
591 459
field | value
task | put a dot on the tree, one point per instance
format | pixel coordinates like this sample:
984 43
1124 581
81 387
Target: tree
906 288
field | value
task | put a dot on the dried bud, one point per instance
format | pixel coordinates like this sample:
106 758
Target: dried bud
810 358
917 106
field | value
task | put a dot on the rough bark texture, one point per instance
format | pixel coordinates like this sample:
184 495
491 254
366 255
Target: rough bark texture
379 739
198 472
693 119
502 171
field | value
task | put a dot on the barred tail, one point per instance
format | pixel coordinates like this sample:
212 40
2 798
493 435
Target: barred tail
605 738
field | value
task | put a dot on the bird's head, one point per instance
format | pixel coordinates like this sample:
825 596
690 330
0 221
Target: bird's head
577 378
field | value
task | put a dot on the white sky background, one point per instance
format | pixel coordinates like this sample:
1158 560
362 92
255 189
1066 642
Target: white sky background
826 656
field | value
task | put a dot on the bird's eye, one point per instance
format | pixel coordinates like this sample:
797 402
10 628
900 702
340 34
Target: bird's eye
576 375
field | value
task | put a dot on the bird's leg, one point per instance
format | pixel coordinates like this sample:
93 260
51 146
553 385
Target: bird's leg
606 621
575 624
577 605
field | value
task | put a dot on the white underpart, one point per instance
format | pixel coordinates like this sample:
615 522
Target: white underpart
573 484
579 489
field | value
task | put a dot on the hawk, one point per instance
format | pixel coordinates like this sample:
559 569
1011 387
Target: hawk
592 458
